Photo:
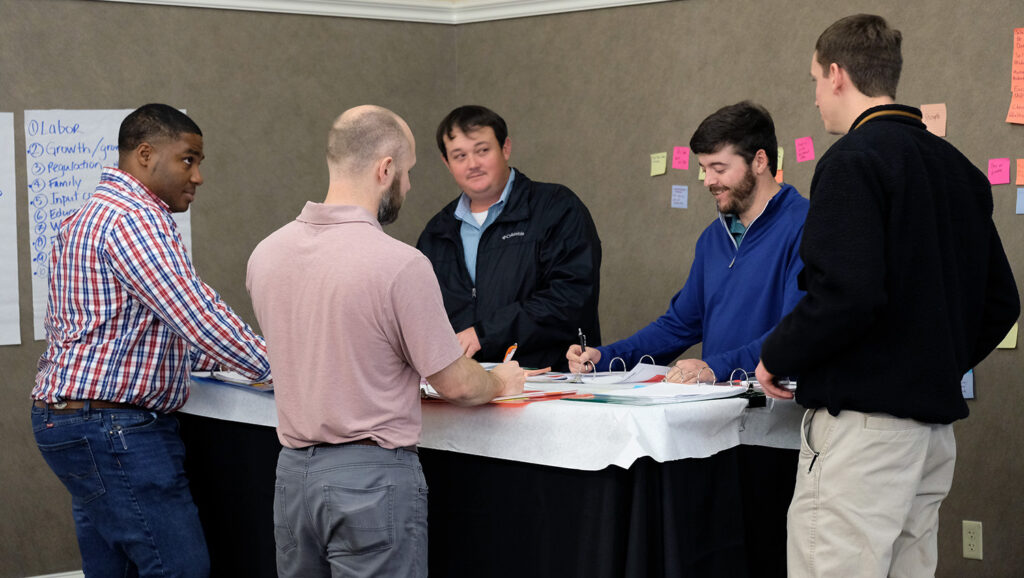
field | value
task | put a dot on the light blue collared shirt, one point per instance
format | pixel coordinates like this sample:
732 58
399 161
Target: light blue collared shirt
471 231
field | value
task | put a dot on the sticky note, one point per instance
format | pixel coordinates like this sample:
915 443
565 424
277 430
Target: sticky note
702 175
1010 341
778 165
998 171
778 176
658 163
1020 171
680 196
804 149
681 158
935 118
1016 112
967 384
1020 201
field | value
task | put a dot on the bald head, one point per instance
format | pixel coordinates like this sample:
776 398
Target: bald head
365 134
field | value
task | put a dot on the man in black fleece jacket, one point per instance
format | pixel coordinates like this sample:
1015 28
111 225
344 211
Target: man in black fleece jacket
908 287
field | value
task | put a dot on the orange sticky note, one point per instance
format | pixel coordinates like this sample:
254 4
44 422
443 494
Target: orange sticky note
1016 112
1020 171
935 118
778 176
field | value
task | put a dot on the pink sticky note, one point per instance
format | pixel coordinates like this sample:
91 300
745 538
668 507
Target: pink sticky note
999 171
681 158
804 149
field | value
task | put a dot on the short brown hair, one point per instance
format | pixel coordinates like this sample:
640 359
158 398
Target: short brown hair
745 125
867 49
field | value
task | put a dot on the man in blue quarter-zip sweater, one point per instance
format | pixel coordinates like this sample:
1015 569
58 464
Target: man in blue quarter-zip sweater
743 277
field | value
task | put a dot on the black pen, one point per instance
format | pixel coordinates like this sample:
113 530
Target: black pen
583 341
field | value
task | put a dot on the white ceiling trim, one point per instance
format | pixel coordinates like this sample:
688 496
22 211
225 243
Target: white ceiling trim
432 11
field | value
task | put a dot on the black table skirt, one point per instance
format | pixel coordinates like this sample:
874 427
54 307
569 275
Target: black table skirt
720 517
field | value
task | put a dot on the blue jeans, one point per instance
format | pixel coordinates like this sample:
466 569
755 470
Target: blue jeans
133 510
351 510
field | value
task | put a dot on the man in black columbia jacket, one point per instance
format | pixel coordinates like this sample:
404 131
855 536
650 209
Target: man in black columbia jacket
518 261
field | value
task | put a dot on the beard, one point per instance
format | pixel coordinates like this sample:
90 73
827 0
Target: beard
741 196
390 203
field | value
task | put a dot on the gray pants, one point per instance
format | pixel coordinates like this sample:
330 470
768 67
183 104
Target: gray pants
350 510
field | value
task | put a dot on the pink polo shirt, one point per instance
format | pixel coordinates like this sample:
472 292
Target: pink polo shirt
352 319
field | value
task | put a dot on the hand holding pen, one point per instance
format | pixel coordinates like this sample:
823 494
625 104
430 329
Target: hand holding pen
580 358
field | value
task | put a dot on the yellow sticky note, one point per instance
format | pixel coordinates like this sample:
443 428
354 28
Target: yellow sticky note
658 163
779 165
1010 341
702 175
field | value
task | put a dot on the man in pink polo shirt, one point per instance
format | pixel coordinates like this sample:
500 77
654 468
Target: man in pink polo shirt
352 319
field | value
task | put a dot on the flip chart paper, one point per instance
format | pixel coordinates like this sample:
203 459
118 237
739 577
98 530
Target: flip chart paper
65 151
10 312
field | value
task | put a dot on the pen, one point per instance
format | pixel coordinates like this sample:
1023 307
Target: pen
510 352
583 340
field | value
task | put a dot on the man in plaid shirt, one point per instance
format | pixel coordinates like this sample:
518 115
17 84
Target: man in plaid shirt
127 320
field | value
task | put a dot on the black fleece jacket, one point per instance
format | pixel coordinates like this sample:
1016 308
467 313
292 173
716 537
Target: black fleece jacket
907 282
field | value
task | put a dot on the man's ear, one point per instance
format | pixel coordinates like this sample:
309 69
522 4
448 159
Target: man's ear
837 76
506 149
385 171
144 154
760 161
444 159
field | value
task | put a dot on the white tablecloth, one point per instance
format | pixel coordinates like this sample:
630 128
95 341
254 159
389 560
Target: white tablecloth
562 433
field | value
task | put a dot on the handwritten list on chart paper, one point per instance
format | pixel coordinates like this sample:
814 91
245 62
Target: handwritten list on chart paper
65 151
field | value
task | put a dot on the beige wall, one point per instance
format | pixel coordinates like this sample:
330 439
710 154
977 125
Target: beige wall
588 96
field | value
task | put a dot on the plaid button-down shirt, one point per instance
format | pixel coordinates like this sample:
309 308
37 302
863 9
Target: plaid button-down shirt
127 318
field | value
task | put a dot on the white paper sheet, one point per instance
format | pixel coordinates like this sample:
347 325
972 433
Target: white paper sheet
10 313
65 151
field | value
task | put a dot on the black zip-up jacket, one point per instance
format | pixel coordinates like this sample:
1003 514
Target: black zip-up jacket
907 283
537 274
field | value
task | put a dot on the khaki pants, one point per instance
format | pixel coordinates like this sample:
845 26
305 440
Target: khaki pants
867 495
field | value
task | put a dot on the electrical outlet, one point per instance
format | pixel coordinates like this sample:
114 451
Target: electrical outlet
972 540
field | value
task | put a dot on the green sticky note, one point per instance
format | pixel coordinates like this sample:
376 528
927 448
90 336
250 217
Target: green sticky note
658 161
702 175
